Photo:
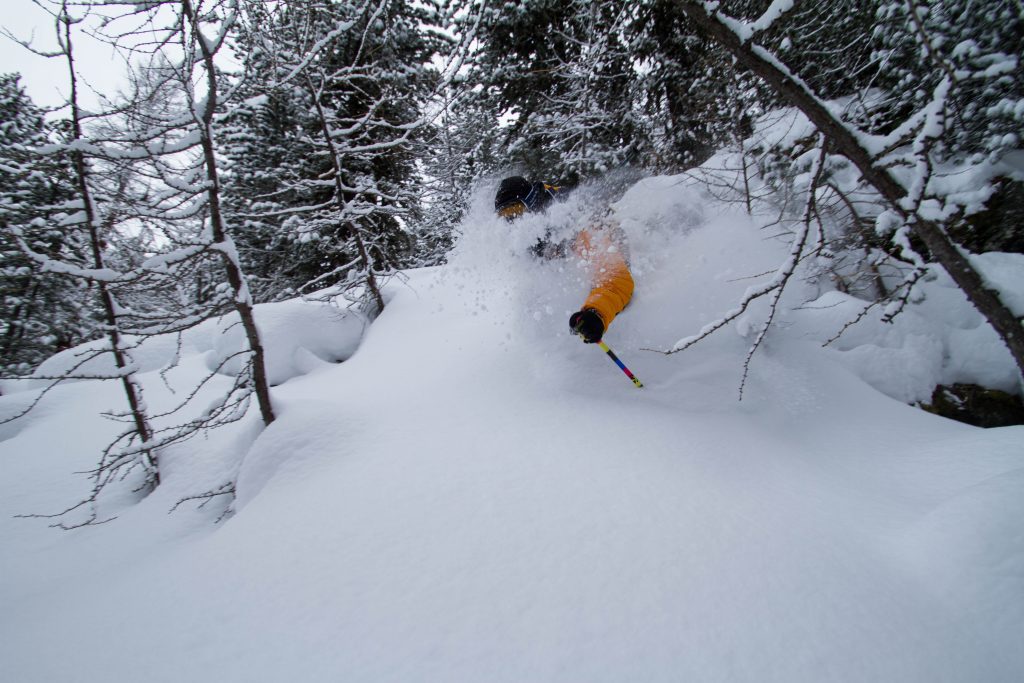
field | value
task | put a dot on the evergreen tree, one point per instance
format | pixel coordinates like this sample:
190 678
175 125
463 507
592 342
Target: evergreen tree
559 78
675 65
966 58
450 166
268 153
829 45
341 92
39 314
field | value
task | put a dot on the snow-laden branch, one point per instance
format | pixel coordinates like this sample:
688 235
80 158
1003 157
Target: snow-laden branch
213 45
327 276
161 147
52 265
748 30
851 144
795 254
932 128
314 50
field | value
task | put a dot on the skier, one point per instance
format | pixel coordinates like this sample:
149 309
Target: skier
601 245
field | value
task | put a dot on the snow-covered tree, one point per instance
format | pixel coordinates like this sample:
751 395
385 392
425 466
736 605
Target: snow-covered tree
267 150
160 253
133 449
679 86
459 145
559 80
337 93
169 135
40 314
457 157
589 118
932 143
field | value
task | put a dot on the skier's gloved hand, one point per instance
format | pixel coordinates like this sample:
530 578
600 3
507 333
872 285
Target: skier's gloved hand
587 324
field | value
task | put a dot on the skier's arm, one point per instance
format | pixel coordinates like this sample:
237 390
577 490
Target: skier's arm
612 281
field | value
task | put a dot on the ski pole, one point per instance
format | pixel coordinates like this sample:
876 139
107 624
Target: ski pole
611 354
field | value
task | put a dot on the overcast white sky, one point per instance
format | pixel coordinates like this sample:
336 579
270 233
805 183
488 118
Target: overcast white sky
99 66
46 80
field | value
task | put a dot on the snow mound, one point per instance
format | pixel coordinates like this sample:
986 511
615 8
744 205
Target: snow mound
94 359
1005 274
298 336
939 338
969 547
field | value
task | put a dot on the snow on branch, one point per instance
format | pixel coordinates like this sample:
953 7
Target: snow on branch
747 30
205 498
902 195
932 128
312 51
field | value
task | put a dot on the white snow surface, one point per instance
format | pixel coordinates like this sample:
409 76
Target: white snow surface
474 495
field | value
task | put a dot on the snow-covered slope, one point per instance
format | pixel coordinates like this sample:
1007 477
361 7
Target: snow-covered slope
474 495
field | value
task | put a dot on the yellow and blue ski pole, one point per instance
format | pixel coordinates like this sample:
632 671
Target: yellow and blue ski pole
611 354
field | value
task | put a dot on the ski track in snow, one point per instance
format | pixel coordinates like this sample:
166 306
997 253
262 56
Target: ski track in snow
475 495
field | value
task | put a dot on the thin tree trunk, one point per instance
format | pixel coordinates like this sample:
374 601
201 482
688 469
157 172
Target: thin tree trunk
131 389
746 173
339 198
942 248
242 297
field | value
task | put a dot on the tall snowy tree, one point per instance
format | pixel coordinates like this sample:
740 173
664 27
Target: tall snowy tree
40 313
268 153
169 134
151 164
459 146
338 174
559 79
457 152
677 69
970 56
695 97
133 449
